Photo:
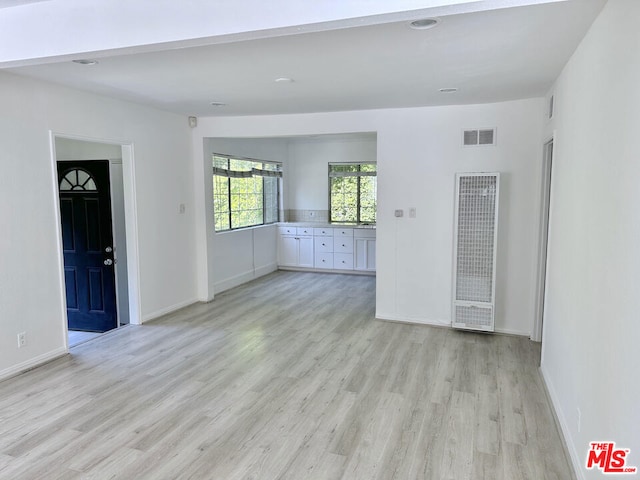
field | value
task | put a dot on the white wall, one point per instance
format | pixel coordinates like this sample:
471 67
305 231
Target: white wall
31 298
308 184
591 333
418 152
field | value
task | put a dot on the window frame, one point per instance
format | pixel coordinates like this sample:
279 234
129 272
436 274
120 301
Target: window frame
259 165
358 193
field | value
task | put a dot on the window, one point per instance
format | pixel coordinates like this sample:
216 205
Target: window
245 192
77 180
352 192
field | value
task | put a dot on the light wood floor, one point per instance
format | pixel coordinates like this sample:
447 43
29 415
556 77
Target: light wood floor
288 377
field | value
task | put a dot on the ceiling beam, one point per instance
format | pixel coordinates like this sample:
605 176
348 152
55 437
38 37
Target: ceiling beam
44 31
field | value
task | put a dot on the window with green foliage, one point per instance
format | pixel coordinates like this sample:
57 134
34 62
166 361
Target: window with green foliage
352 192
245 192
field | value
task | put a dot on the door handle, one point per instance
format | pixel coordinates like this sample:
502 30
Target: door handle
108 262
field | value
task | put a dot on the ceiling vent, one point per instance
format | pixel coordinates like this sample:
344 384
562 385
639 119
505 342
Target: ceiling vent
479 137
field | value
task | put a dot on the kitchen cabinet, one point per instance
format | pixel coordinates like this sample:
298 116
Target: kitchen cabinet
365 254
327 248
295 249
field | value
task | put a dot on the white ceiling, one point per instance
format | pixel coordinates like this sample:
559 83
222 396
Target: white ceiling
490 56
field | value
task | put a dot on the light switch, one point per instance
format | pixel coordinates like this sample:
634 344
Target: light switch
399 213
412 212
182 208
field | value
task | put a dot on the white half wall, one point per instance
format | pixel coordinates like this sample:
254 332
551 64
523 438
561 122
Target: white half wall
31 290
418 152
591 331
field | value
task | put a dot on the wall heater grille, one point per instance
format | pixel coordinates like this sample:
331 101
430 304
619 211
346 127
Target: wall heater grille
476 221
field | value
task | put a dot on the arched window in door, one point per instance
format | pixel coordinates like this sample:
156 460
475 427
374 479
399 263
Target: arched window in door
78 180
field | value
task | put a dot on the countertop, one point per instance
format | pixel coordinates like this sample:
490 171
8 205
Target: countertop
324 225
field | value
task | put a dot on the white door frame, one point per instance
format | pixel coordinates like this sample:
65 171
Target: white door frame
131 225
543 238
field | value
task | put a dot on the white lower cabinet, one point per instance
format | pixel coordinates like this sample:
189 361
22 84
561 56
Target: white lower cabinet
305 251
365 254
327 248
295 250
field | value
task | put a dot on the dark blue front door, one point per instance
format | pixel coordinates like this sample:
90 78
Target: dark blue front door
87 240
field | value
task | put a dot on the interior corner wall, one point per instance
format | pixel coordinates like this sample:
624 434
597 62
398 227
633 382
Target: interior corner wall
308 180
238 256
419 150
30 266
591 329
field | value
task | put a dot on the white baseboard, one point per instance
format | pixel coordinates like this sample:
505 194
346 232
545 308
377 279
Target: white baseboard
167 310
507 331
266 270
32 363
412 319
576 462
370 273
243 277
438 323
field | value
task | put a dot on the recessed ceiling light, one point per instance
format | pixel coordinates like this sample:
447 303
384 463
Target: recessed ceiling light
85 61
448 90
218 104
424 23
283 80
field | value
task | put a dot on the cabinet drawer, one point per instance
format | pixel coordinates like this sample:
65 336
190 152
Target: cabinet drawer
287 230
343 261
323 244
325 232
343 232
324 260
304 231
343 244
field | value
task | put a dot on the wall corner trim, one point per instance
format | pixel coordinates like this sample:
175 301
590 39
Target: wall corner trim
562 425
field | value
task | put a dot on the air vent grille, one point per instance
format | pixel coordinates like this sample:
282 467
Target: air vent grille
478 137
476 220
473 316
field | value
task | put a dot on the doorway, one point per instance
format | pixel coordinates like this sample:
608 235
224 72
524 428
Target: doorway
545 202
103 290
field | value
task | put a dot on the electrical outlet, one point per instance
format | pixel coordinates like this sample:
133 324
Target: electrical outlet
579 419
22 339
